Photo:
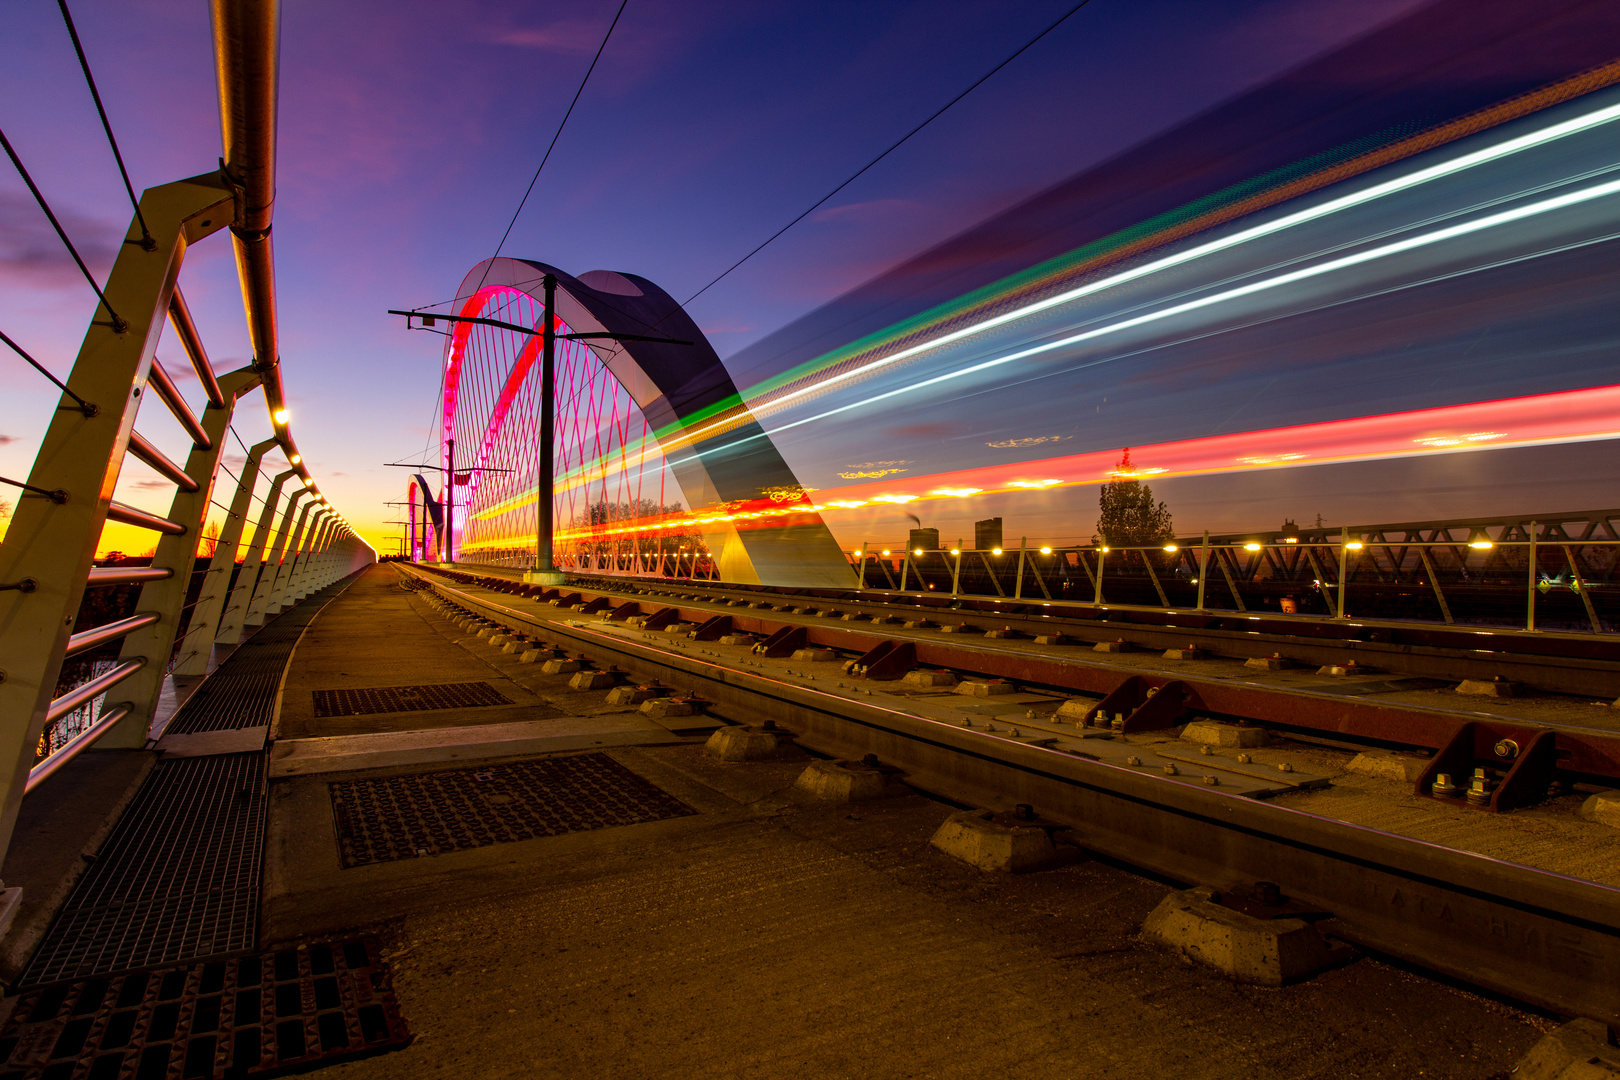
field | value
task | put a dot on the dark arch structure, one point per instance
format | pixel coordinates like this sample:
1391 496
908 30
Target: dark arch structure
733 466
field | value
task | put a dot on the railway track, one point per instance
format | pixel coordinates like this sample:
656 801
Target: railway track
1538 937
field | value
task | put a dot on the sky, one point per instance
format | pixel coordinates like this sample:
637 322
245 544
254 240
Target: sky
408 132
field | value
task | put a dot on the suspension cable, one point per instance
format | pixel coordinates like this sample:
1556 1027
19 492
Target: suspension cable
892 148
118 324
555 136
147 243
84 406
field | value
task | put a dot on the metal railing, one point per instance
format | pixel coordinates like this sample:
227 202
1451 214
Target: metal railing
46 557
1558 571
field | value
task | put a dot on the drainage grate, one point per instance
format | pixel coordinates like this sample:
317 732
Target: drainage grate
242 693
385 699
256 1015
404 817
177 879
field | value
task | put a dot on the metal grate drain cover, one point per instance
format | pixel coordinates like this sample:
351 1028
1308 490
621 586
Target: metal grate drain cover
242 693
177 879
405 817
386 699
256 1015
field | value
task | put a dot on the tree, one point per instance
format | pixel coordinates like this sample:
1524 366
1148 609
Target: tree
1129 516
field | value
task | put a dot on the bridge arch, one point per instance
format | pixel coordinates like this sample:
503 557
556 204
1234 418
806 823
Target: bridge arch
631 437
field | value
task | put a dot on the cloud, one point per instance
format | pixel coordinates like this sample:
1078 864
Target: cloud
568 36
727 327
863 211
4 439
924 431
32 254
1010 444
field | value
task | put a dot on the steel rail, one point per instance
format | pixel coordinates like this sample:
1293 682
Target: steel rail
161 462
75 746
86 640
1543 938
1557 663
160 381
71 700
129 515
1582 752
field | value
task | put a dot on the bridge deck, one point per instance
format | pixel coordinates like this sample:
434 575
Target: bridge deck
565 888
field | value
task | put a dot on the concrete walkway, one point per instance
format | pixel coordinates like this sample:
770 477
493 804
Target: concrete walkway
770 936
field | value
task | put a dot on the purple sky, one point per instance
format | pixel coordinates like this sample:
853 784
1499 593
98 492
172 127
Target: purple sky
409 129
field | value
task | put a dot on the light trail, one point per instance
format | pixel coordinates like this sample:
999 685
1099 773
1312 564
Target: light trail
1413 243
1563 417
1441 170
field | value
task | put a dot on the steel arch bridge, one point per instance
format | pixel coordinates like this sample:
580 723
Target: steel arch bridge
645 482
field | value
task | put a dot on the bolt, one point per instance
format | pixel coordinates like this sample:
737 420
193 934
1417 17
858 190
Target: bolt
1212 781
1244 759
1268 893
1205 750
1507 748
1024 812
869 759
1133 761
1170 770
1285 767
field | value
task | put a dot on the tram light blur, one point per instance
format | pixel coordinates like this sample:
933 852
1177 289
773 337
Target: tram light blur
1251 546
995 551
1354 545
1046 551
1171 547
281 416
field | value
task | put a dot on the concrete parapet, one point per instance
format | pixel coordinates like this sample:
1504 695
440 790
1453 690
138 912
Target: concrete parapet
502 639
1191 652
979 839
519 646
924 677
1213 733
1388 765
1604 807
1112 647
748 743
1274 662
1579 1050
1267 952
738 639
1053 639
842 781
488 631
680 629
592 680
560 667
1488 688
958 628
984 688
815 656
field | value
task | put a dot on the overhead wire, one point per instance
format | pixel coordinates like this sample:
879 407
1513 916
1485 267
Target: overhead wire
555 136
146 234
118 323
858 173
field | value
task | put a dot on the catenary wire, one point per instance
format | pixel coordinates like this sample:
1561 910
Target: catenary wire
555 136
891 149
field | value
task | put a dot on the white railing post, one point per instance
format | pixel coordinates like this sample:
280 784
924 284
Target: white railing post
230 624
48 550
259 607
284 572
198 645
166 598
